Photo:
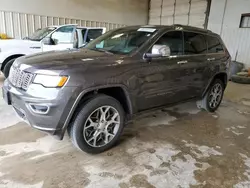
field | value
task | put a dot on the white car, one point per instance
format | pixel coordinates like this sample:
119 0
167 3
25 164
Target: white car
47 39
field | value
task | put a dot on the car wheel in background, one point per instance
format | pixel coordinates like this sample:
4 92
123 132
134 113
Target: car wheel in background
98 124
6 69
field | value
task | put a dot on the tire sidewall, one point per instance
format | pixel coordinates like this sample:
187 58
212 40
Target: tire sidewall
78 125
241 79
208 93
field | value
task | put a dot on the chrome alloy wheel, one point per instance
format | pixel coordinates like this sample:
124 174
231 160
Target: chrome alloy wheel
101 126
215 95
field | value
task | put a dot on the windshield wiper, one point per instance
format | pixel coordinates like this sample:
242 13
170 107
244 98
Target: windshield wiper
101 50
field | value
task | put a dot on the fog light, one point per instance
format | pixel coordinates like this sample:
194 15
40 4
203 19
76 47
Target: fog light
39 109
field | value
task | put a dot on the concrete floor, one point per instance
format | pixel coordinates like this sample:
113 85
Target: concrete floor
174 147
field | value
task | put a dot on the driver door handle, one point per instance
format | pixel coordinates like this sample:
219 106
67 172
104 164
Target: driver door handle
211 59
182 62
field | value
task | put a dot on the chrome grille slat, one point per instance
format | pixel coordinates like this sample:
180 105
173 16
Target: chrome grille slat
27 80
19 78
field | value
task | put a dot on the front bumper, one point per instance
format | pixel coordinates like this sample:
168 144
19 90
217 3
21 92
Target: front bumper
58 100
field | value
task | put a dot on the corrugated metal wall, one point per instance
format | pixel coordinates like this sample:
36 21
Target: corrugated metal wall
19 25
186 12
224 19
238 44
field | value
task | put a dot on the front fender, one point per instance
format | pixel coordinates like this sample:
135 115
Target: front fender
16 52
84 92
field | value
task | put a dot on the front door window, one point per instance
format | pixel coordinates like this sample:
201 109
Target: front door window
173 40
64 35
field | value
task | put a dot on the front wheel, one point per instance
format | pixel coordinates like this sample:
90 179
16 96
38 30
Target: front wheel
98 124
6 69
212 99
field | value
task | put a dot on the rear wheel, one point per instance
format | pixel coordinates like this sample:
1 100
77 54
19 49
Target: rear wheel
212 100
98 124
6 69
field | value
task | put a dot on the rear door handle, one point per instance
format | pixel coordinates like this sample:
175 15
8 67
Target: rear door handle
211 59
182 62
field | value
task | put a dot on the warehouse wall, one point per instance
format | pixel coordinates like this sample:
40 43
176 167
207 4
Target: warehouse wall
186 12
224 19
126 12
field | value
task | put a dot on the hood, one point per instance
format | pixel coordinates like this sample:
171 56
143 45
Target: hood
64 60
16 43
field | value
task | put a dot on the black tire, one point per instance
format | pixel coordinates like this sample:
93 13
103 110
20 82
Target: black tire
6 69
204 103
240 79
76 128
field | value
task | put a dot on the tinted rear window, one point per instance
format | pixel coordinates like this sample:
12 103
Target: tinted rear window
214 45
194 43
93 34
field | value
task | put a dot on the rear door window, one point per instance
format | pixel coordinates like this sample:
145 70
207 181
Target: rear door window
194 43
93 34
214 45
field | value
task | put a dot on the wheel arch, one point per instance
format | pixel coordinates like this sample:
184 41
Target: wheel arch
222 76
89 93
10 58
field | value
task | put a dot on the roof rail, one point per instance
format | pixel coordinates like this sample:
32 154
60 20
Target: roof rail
195 28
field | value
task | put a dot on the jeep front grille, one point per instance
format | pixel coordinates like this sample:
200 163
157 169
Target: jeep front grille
19 78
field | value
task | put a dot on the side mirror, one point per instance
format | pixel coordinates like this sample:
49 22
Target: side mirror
55 41
159 51
49 41
162 50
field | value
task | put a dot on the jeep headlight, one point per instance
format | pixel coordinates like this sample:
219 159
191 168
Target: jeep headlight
50 81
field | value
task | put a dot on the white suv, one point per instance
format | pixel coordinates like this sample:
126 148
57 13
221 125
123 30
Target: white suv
47 39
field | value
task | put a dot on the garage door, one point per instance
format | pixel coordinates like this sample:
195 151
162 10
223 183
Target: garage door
186 12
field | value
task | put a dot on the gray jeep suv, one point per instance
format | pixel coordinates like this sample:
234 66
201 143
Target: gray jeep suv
93 91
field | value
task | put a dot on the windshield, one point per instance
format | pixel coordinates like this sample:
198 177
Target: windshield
122 41
41 33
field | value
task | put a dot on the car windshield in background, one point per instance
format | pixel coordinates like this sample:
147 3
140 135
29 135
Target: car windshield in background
122 41
41 33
